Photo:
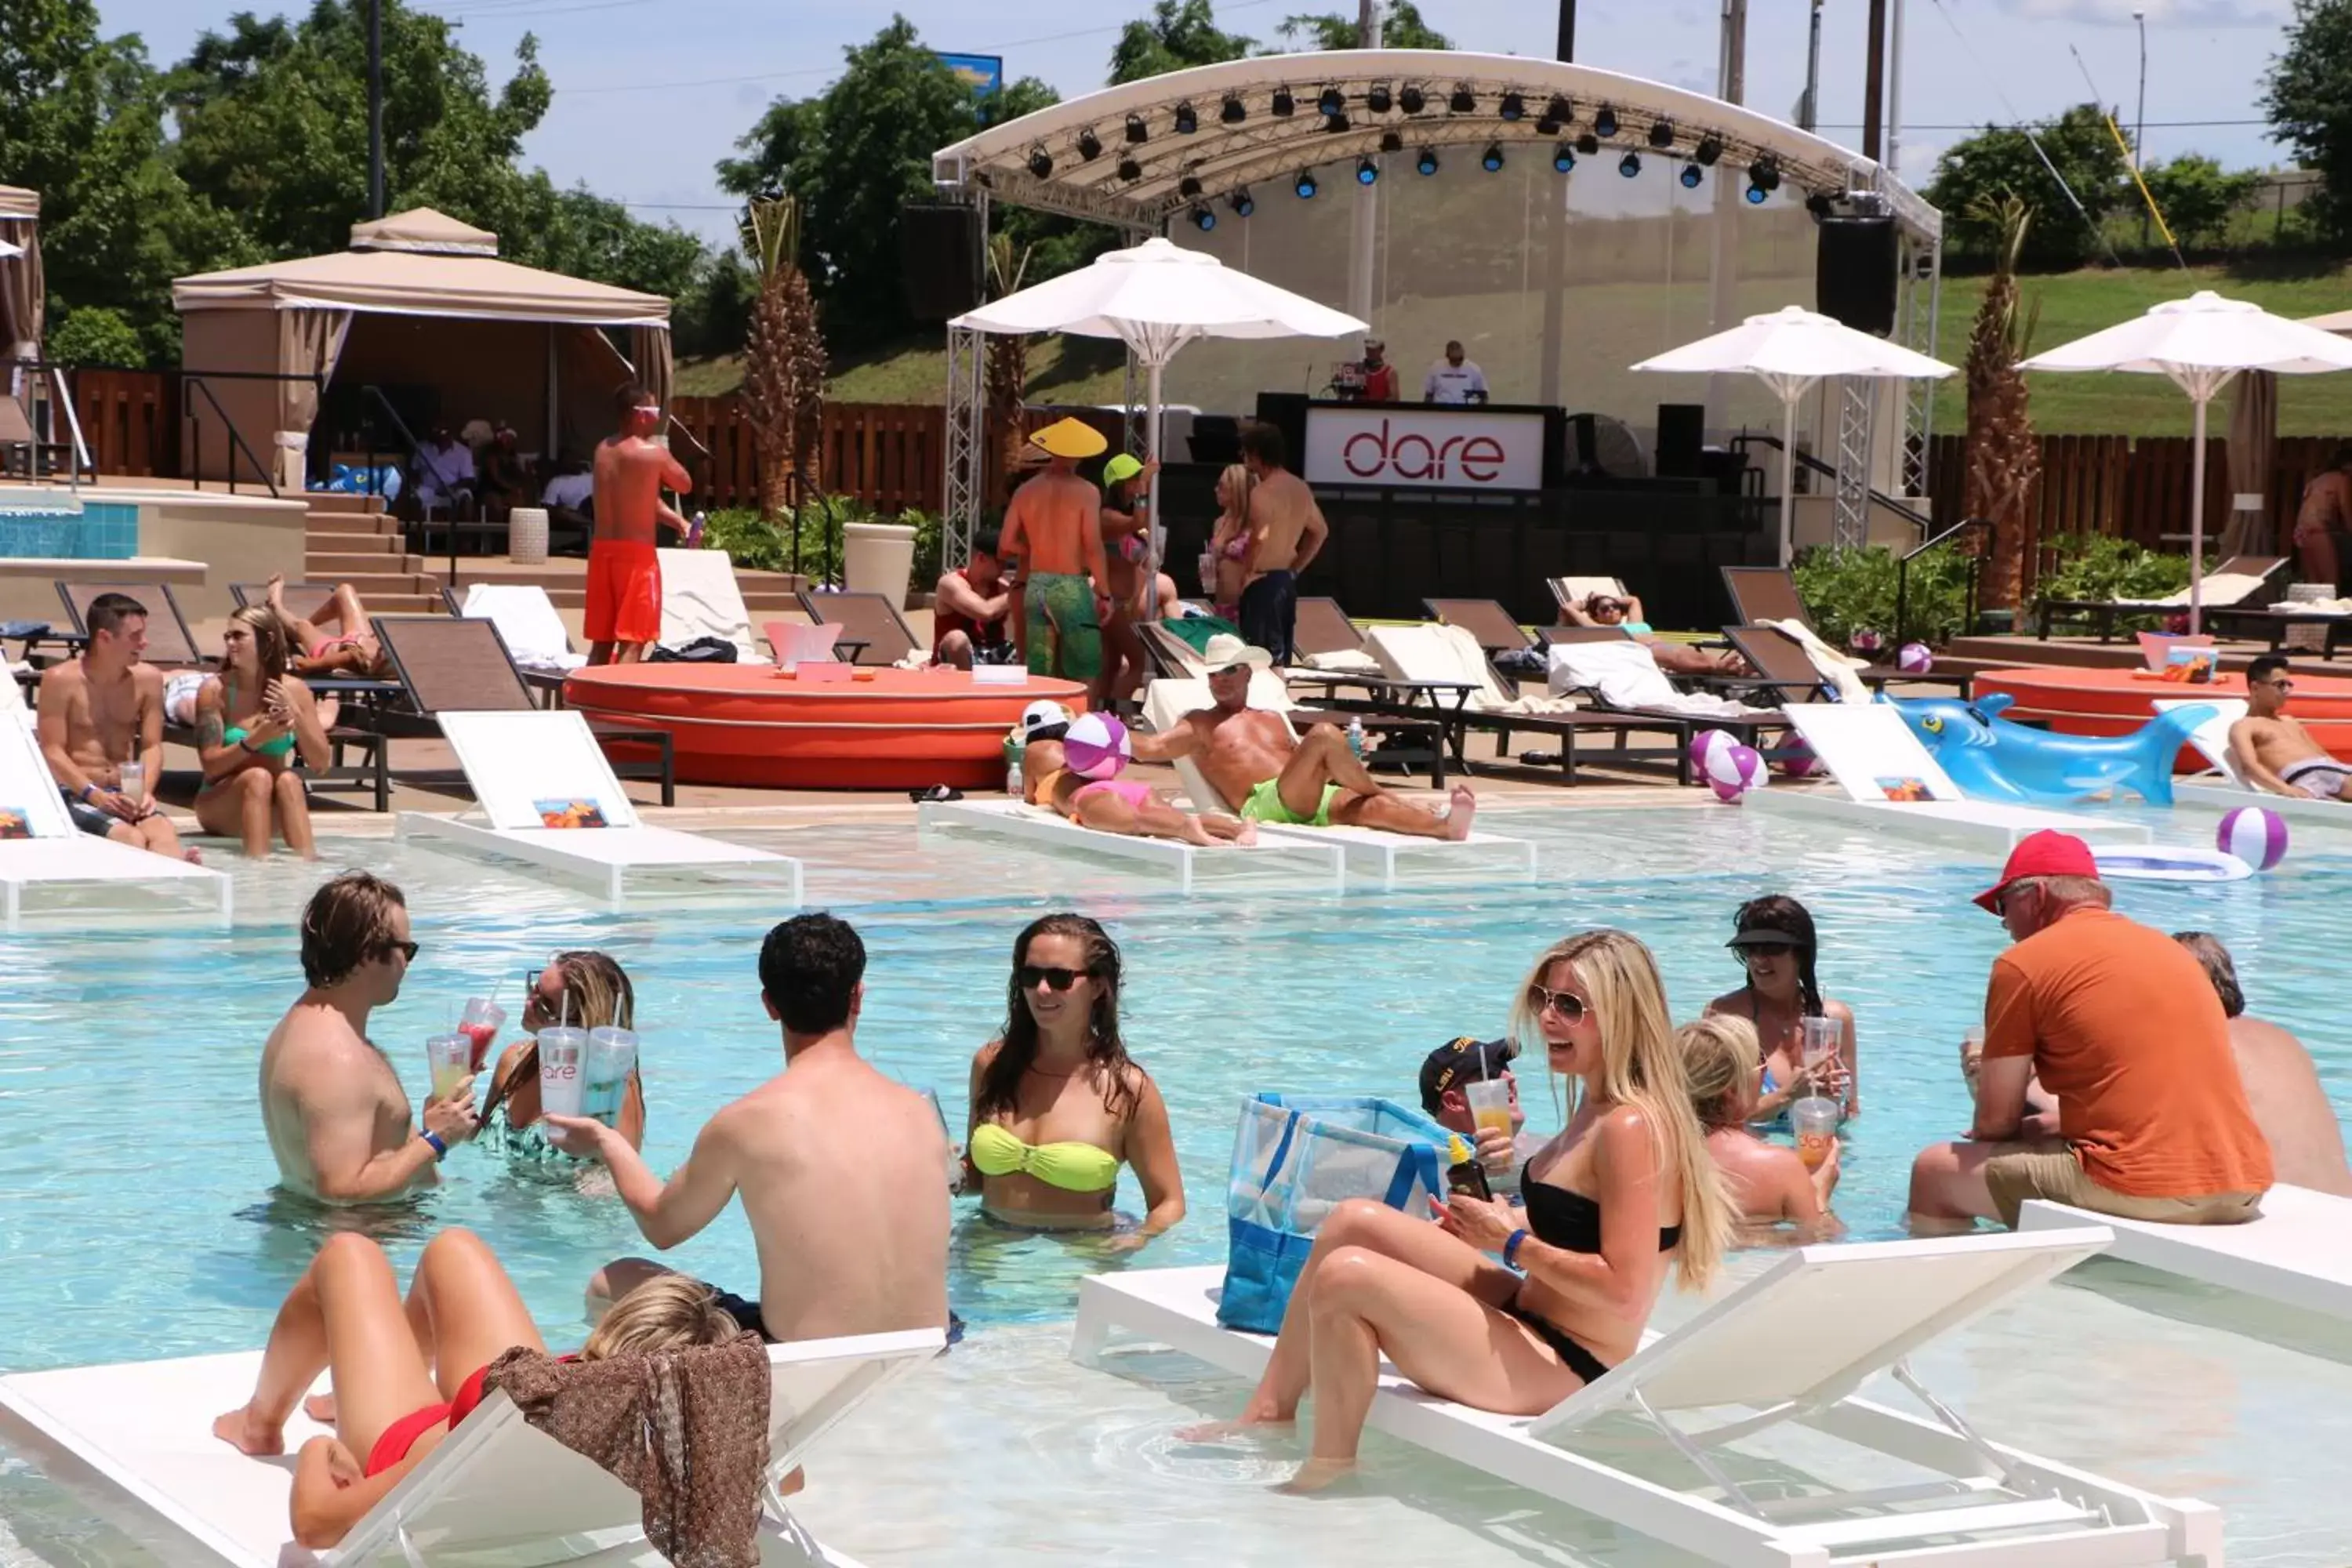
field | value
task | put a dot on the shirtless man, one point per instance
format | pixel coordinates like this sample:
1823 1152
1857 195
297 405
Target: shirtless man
1285 531
336 1115
624 592
1126 807
2282 1086
1248 756
2321 523
1053 539
970 611
2275 752
843 1175
101 710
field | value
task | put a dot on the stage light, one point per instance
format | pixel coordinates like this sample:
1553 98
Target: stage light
1492 159
1763 179
1282 104
1559 108
1662 133
1691 175
1138 132
1463 101
1513 107
1332 102
1548 126
1041 163
1129 170
1187 121
1235 112
1604 124
1306 187
1629 165
1089 144
1563 157
1410 100
1756 194
1368 171
1336 123
1710 148
1589 145
1241 202
1820 206
1203 219
1391 141
1377 98
1426 163
1188 188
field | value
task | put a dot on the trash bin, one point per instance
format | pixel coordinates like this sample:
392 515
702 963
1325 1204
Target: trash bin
878 558
527 535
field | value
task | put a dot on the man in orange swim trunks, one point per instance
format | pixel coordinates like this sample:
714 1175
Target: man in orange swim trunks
624 594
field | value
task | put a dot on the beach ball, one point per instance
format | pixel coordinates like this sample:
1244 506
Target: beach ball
1916 658
1096 746
1703 745
2255 835
1733 770
1867 640
1798 761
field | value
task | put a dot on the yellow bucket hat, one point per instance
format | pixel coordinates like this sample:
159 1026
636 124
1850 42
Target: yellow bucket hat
1069 438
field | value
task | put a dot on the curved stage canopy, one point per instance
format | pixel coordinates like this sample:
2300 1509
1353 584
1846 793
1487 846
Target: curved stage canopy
1238 139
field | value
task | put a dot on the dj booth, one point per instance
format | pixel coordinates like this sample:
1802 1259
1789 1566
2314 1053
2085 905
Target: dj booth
1433 501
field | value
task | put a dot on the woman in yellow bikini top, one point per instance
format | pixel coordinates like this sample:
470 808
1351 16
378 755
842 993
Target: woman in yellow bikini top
1057 1105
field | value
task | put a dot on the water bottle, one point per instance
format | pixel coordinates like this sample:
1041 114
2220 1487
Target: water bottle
1013 747
694 530
1355 737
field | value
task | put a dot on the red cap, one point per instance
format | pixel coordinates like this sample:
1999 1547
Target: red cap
2048 852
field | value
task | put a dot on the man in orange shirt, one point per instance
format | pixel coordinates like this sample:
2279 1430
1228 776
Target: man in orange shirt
2118 1022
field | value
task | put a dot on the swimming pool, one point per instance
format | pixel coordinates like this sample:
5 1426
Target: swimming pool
137 1220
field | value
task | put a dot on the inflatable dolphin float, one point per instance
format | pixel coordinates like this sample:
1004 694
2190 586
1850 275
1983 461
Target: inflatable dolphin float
1993 758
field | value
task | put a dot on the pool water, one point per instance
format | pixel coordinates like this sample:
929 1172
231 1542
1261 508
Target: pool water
137 1217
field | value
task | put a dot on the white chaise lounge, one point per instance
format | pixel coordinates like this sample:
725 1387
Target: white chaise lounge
1833 1317
2230 791
138 1434
700 598
40 848
528 623
2298 1253
532 771
1874 759
1370 852
1052 833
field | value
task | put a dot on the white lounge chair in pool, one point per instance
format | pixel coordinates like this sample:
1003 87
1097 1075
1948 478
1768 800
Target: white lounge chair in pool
1053 833
700 598
1370 852
137 1435
1833 1317
41 849
2298 1253
549 797
2230 790
1874 759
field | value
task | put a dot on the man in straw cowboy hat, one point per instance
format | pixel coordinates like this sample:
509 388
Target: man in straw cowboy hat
1248 756
1053 529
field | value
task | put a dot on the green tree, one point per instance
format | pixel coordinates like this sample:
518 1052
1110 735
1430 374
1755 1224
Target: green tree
2309 103
1974 177
1176 36
2196 197
1402 29
95 334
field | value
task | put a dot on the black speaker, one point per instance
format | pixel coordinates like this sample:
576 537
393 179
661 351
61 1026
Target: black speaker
1682 439
939 257
1854 272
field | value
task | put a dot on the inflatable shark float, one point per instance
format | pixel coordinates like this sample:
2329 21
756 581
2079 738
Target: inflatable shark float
1993 758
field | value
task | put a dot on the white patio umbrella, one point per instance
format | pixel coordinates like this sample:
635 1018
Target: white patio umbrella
1788 351
1156 298
10 250
2202 343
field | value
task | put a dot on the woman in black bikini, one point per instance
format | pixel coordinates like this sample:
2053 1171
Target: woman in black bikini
1626 1184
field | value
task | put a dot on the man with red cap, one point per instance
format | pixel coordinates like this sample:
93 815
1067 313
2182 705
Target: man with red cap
2119 1022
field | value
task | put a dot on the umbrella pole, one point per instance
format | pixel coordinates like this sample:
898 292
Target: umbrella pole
1159 535
2197 526
1787 480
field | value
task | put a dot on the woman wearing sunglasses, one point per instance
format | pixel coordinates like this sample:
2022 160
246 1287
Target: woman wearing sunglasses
1774 939
588 990
1057 1105
1625 1189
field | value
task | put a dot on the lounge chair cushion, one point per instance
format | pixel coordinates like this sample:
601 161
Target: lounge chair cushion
526 619
1626 675
2222 588
1344 660
701 599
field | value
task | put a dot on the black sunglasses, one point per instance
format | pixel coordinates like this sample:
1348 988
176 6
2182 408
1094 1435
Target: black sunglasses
1766 949
407 950
1029 976
1566 1004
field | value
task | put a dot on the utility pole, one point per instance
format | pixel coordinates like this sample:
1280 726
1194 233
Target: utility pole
375 108
1366 235
1809 113
1731 84
2139 120
1553 205
1566 51
1873 83
1894 91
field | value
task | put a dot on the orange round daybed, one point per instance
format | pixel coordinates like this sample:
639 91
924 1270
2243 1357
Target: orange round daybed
883 729
2091 701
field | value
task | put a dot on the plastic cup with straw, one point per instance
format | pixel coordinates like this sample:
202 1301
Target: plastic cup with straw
563 1053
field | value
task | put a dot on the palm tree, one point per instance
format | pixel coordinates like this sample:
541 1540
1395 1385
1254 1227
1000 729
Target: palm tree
2004 456
1005 369
784 354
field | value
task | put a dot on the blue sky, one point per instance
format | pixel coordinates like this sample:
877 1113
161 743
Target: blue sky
648 93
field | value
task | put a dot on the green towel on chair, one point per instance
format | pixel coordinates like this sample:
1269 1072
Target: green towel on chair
1196 630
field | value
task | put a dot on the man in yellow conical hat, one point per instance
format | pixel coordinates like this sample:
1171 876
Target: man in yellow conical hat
1053 531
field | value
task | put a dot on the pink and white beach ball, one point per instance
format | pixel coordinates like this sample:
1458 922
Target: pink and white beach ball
1096 746
1916 658
2255 835
1798 761
1733 770
1703 747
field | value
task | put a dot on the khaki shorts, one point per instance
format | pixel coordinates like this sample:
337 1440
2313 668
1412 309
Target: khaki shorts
2058 1175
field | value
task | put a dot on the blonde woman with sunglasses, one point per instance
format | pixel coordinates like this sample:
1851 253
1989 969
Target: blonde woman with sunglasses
589 990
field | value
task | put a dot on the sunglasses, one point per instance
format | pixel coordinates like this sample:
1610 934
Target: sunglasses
407 950
2278 683
1029 976
1566 1004
1755 950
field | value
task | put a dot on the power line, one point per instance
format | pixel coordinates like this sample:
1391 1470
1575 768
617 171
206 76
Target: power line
1981 125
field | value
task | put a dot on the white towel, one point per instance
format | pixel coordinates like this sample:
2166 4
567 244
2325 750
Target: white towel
1832 666
1626 675
1431 652
527 624
2220 589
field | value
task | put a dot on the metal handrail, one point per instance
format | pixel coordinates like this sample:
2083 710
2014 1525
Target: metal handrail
1902 573
1811 464
236 441
64 395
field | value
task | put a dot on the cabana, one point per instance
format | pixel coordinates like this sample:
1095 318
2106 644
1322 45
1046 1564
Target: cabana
419 299
22 291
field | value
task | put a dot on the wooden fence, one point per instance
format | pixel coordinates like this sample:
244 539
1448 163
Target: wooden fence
129 418
887 456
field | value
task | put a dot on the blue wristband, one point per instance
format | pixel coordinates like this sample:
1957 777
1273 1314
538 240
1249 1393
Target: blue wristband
441 1150
1511 1249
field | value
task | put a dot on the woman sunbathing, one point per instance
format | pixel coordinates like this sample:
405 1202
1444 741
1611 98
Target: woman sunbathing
1057 1105
404 1375
1768 1184
1673 658
1125 806
1625 1188
350 652
588 990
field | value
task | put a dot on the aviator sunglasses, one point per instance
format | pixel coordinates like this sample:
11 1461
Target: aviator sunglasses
1566 1004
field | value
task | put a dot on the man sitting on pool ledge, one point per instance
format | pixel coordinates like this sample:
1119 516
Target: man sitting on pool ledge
2119 1022
333 1108
1249 758
2275 752
843 1174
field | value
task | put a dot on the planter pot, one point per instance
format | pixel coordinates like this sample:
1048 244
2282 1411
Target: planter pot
878 558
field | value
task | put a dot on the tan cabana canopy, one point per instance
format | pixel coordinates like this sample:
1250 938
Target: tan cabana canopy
22 291
427 294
